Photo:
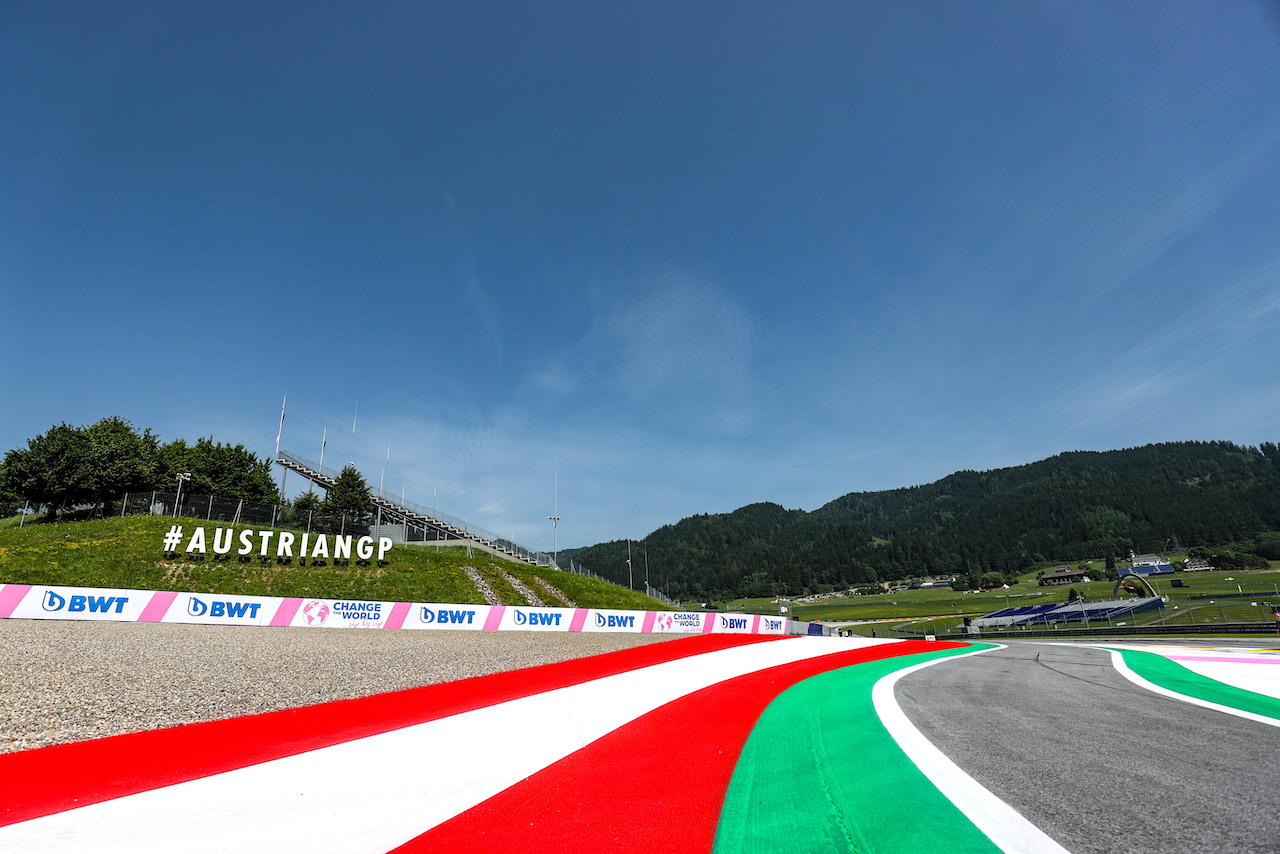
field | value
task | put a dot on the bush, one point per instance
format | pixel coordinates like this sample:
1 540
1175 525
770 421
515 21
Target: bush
991 580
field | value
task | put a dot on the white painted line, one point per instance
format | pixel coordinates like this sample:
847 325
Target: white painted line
1117 661
1247 669
1003 825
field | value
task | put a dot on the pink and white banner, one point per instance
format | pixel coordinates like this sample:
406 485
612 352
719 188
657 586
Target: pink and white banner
23 601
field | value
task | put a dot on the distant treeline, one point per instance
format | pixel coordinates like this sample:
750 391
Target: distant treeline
1071 507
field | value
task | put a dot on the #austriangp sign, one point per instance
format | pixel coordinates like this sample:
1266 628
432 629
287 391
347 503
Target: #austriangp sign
278 544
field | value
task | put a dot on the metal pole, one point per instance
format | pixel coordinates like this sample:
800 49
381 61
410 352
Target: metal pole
177 503
352 456
555 548
324 440
279 430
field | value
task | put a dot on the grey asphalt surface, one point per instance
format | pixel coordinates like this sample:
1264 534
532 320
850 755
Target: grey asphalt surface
1098 763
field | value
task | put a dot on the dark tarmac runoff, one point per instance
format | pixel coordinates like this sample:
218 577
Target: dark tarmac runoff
1098 763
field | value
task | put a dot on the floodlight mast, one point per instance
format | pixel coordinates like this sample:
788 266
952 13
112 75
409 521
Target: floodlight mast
555 519
177 504
555 552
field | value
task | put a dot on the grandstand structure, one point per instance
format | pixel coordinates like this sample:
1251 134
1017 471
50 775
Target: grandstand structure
421 524
1052 613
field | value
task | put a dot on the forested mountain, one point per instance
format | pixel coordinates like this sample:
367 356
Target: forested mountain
1069 507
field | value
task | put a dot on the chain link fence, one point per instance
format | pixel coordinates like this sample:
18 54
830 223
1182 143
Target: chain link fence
237 511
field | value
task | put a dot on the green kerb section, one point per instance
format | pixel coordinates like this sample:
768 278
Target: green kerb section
820 773
1174 677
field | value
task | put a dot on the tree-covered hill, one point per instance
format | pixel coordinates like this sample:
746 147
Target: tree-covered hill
1069 507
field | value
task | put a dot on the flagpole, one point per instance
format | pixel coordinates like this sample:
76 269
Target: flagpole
352 457
324 440
284 471
382 485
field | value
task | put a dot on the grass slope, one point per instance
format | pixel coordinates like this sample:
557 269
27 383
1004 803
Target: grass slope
128 553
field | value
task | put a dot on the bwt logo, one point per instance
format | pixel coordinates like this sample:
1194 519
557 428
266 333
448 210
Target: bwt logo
534 618
772 625
199 608
447 615
77 603
611 621
733 622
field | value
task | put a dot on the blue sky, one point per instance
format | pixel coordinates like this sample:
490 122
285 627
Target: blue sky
632 262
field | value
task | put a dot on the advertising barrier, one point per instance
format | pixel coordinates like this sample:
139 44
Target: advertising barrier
75 603
37 602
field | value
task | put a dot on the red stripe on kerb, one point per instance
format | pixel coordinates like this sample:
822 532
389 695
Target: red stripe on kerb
620 793
54 779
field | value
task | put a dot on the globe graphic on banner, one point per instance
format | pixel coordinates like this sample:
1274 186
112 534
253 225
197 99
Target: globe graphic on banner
315 613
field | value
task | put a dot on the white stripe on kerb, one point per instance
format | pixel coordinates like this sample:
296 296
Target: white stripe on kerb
373 794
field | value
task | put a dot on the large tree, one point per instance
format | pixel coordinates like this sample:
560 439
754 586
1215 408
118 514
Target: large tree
54 469
120 459
10 501
350 496
68 466
227 471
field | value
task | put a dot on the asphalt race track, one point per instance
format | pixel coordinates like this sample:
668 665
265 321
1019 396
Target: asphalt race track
712 743
1097 762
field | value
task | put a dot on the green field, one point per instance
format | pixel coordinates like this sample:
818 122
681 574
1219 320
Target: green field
942 610
128 553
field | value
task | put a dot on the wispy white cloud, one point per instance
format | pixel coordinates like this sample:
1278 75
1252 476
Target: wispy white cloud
485 306
681 333
1192 362
671 346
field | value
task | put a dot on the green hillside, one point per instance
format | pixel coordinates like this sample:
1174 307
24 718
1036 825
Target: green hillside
1069 508
128 553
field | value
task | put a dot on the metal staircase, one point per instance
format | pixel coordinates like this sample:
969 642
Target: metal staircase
435 526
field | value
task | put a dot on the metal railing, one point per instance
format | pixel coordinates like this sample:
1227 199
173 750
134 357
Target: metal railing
1255 628
415 515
